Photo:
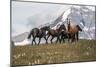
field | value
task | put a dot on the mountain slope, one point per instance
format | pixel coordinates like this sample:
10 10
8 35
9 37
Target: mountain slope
20 37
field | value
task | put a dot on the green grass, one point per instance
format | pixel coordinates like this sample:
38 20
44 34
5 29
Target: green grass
84 50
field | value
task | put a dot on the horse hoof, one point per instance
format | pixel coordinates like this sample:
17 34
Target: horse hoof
46 42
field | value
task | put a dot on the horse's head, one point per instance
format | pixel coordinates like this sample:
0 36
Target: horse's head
79 28
62 27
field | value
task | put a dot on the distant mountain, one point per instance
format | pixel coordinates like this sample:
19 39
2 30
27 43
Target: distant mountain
82 16
20 37
85 18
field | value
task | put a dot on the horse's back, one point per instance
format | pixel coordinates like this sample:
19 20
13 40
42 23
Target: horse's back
74 28
52 32
35 31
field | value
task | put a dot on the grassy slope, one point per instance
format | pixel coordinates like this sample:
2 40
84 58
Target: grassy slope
84 50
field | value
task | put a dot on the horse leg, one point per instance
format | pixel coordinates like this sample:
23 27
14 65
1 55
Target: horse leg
77 36
46 40
52 39
69 36
57 39
39 40
73 37
48 37
63 38
32 41
60 37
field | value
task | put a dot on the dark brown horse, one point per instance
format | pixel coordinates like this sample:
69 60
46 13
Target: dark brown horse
63 34
38 33
56 33
73 31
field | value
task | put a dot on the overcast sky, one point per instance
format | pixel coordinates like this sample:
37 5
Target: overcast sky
27 15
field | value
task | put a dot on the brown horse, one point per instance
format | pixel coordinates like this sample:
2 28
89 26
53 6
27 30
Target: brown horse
38 33
73 31
54 34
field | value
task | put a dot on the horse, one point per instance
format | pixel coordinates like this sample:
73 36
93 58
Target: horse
56 33
38 33
73 31
63 34
70 32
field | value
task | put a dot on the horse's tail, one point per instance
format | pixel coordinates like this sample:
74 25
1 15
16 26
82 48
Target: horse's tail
29 36
78 27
